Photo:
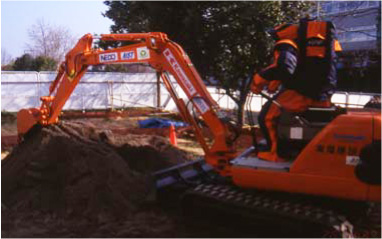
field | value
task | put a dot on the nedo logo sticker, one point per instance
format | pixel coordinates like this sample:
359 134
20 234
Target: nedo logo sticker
107 57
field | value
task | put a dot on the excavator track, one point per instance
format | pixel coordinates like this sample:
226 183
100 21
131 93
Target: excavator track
203 193
369 225
295 213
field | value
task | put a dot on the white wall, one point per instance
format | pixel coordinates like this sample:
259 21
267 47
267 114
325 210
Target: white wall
95 90
98 90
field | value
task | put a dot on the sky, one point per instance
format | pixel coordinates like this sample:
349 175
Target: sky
79 17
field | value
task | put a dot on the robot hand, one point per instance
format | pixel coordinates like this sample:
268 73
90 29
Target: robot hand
273 86
258 84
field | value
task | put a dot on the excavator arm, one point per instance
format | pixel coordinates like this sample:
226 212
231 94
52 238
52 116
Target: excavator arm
165 57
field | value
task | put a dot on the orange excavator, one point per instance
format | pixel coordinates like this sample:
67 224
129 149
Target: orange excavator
335 155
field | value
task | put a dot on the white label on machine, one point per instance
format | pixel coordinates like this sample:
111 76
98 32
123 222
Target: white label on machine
179 72
296 133
201 104
127 55
107 57
352 160
143 53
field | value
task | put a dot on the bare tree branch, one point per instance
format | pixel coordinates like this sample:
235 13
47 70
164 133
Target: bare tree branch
6 58
49 41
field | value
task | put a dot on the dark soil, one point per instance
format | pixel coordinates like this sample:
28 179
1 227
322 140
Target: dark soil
69 180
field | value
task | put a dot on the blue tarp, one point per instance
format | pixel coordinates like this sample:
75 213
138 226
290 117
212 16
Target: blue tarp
159 123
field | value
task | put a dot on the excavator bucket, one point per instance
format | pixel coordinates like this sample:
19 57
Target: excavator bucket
26 119
189 173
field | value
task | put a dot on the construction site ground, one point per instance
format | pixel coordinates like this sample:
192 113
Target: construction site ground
119 122
72 180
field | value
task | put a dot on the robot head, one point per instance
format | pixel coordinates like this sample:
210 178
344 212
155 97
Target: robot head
284 31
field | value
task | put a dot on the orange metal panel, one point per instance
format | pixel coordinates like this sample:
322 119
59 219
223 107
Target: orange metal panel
377 127
334 151
303 183
326 166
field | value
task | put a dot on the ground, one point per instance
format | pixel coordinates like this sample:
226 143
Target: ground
148 220
53 161
122 125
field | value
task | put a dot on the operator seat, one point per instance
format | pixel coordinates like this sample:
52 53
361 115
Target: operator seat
296 130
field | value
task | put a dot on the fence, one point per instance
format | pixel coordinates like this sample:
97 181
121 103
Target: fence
99 90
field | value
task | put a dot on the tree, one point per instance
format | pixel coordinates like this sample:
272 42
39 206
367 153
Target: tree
5 57
28 63
43 63
23 63
360 60
226 41
8 67
49 41
360 71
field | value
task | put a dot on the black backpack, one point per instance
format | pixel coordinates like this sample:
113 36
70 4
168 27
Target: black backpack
315 75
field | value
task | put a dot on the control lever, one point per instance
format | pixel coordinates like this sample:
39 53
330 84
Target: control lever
271 99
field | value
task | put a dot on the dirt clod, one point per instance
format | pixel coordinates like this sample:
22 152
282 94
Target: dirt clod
74 171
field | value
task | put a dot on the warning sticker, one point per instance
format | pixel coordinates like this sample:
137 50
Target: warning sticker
296 133
201 104
352 160
179 72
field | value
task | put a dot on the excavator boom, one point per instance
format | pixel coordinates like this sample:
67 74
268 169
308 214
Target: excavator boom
160 53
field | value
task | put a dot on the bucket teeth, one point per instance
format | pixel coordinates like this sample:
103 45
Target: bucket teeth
189 174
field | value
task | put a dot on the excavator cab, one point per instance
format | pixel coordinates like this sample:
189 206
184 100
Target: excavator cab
323 146
296 130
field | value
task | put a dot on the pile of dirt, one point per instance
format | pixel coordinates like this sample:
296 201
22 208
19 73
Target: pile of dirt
73 169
